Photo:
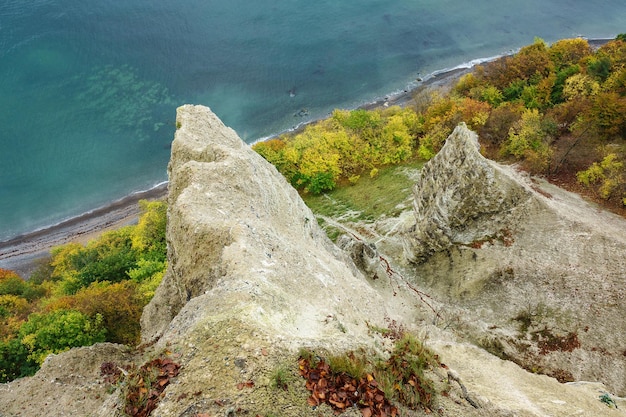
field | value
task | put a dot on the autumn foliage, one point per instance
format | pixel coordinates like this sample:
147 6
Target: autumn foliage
342 391
558 110
82 294
143 386
376 386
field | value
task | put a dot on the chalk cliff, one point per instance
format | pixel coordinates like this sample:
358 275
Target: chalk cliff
533 273
252 278
462 198
239 233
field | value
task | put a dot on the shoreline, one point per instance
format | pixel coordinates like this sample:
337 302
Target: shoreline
438 78
21 253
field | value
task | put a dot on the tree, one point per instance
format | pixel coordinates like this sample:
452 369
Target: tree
568 52
496 129
605 177
556 95
529 65
14 361
273 150
474 113
599 67
108 258
118 306
616 82
528 140
13 313
489 94
148 237
580 85
608 114
59 331
13 284
433 141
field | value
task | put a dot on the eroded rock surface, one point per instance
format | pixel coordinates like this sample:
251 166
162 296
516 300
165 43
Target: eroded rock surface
524 269
251 278
462 198
246 255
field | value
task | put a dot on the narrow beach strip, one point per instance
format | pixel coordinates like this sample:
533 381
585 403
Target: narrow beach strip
21 252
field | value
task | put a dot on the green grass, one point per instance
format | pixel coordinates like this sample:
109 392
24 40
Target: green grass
405 377
282 377
369 198
355 364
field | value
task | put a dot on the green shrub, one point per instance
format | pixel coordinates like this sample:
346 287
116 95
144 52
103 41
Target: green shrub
59 331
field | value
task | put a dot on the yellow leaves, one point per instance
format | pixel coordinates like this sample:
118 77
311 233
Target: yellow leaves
344 146
17 305
580 85
6 274
569 51
475 113
604 177
62 259
528 141
150 230
29 341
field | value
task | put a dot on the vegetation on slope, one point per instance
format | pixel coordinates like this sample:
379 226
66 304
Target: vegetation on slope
558 110
82 294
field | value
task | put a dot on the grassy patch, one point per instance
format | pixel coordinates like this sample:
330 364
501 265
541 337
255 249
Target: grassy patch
369 198
331 231
375 385
282 377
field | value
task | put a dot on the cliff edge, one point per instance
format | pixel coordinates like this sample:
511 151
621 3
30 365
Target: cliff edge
252 278
528 271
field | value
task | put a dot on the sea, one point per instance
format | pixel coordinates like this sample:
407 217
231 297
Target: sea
89 88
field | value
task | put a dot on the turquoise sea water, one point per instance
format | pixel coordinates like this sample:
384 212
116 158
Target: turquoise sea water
88 89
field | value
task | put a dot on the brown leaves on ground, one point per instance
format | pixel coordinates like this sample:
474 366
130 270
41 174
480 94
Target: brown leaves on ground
145 385
247 384
342 391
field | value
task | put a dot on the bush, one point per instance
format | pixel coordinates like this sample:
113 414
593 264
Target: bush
59 331
118 307
14 361
605 177
528 140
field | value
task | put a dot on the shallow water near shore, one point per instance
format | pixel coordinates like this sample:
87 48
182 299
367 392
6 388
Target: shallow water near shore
88 89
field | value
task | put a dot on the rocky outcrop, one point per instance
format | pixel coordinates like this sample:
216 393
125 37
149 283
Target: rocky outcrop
462 198
252 278
238 231
249 268
528 271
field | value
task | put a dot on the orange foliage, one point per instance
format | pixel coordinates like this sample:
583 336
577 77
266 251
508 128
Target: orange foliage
475 113
531 61
119 305
6 274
